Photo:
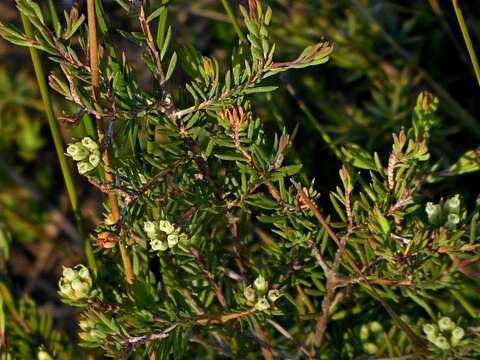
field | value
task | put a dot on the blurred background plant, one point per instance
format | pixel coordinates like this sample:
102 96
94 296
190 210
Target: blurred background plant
385 54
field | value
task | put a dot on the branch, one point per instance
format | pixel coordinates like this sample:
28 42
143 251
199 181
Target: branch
95 79
210 277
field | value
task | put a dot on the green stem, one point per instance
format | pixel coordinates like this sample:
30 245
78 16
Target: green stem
57 140
466 38
234 21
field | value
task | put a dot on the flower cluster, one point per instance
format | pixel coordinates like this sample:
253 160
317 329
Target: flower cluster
76 283
439 334
447 215
87 154
163 234
259 296
368 333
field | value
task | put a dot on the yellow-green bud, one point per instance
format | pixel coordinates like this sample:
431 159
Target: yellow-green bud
94 159
261 285
84 167
69 274
452 221
370 348
457 334
375 327
75 283
364 332
442 343
158 245
262 304
426 103
434 213
249 293
150 229
172 240
430 330
446 324
89 144
166 226
43 355
183 237
66 289
273 295
84 273
452 205
77 151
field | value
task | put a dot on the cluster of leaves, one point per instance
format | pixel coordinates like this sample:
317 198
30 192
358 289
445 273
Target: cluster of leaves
198 156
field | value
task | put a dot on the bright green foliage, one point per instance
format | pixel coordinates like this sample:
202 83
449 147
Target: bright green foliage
231 256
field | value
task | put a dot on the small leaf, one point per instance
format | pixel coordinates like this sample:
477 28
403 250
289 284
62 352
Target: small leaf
171 66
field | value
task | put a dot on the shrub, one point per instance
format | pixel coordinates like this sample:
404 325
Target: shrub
212 243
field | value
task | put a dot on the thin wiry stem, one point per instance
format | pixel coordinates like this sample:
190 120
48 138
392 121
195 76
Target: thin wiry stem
466 38
95 78
59 147
234 20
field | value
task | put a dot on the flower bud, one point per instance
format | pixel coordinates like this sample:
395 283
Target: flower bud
66 289
430 330
273 295
150 229
82 292
166 226
442 343
158 245
434 213
262 304
94 159
75 283
69 274
452 205
77 151
446 324
83 273
89 144
43 355
183 238
260 284
172 240
364 332
249 293
457 334
452 221
84 167
370 348
375 327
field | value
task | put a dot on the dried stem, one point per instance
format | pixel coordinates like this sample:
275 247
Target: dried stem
95 78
